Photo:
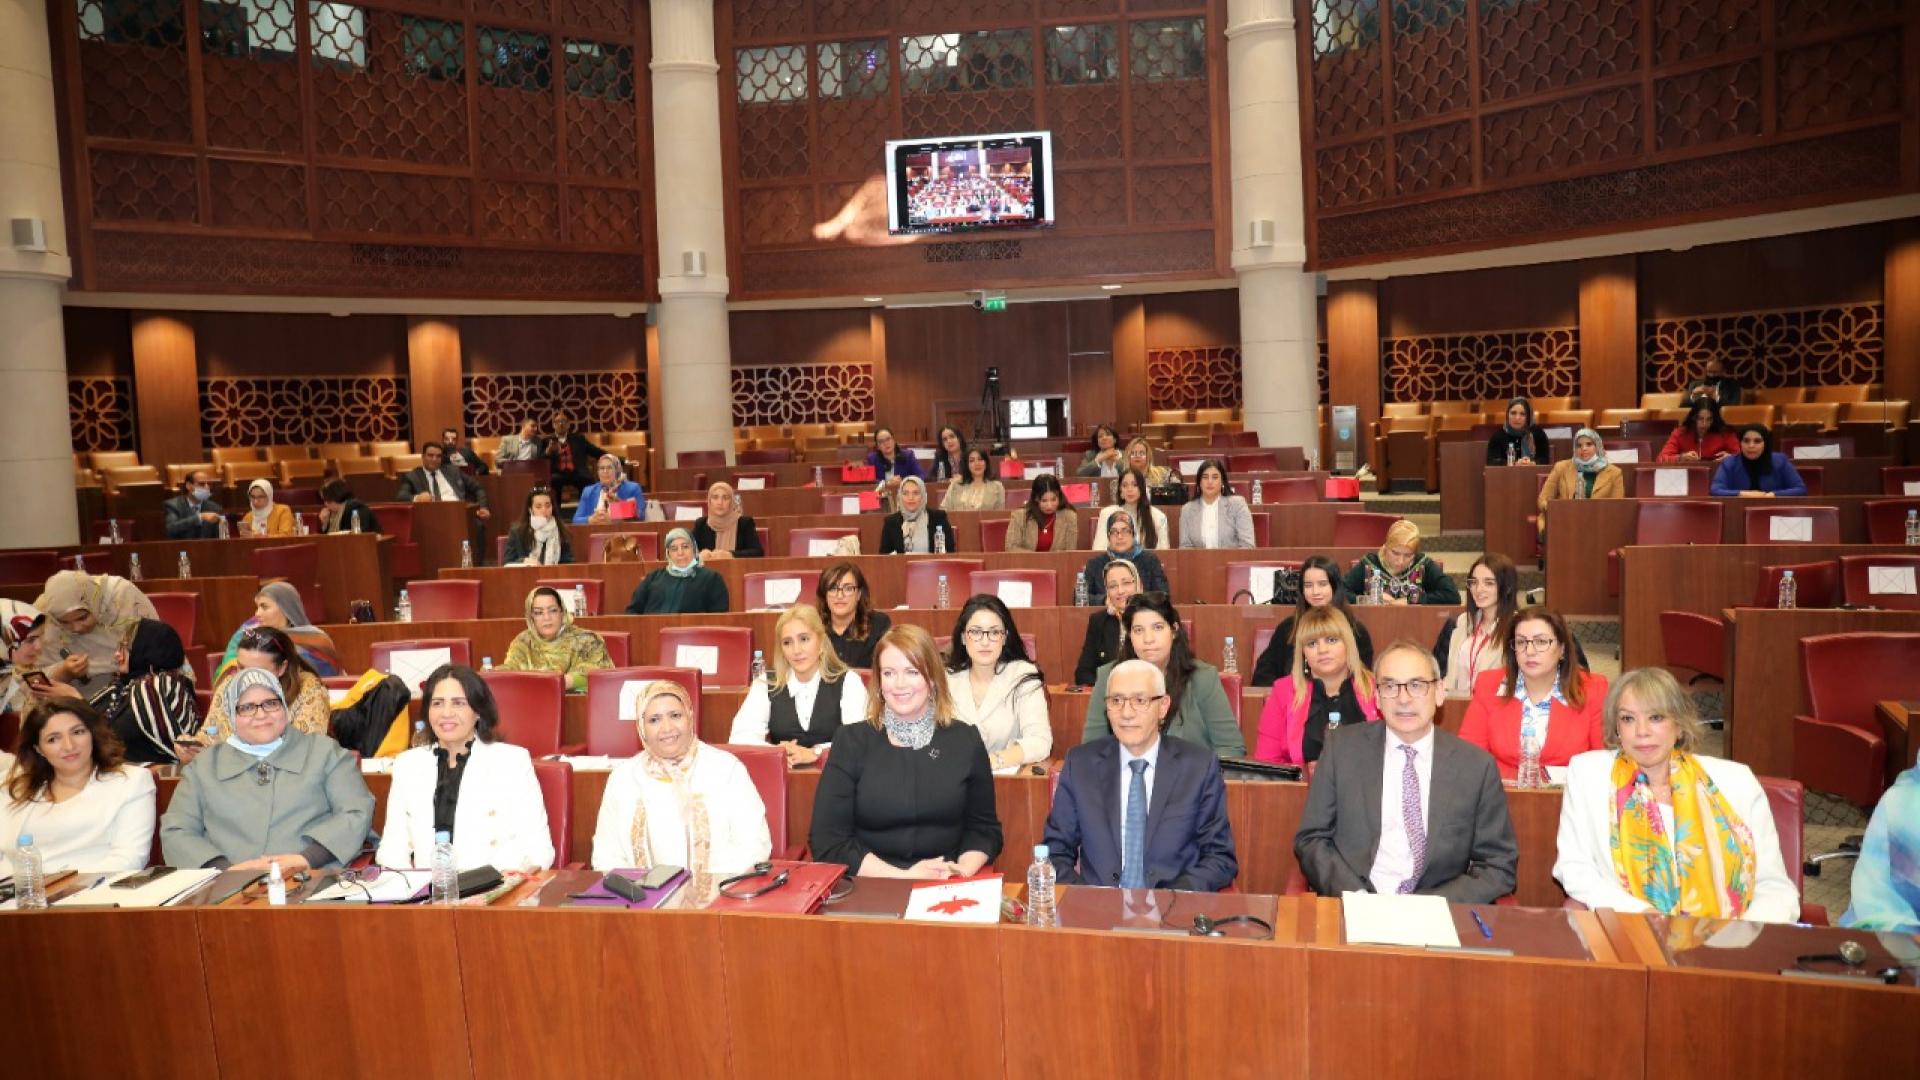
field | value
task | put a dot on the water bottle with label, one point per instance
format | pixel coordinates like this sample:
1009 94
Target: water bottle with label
1913 528
819 476
1259 493
300 525
1060 467
1080 594
29 881
353 523
1374 586
276 885
579 600
939 541
1229 658
1789 591
486 663
758 673
1040 879
225 528
446 881
1333 722
80 562
134 573
1512 455
940 592
113 530
186 568
466 554
403 611
1530 774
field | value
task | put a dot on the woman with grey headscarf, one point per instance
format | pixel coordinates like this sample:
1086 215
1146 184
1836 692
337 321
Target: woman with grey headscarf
910 529
1585 475
266 793
681 587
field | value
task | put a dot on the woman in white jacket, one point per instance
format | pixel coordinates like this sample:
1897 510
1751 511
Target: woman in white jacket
1650 825
995 687
465 783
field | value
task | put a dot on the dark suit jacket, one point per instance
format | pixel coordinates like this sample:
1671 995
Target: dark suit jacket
414 482
183 518
586 456
1189 841
893 537
1470 847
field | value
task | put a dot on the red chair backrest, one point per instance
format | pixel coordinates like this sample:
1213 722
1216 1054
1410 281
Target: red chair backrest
1856 575
396 520
1012 470
757 581
993 534
619 646
767 766
1357 528
799 541
1232 682
1678 523
1894 480
1043 584
1240 576
1887 520
1824 523
25 566
530 708
1261 639
1646 481
592 589
1848 674
1262 530
609 733
1815 584
1291 489
649 545
1813 478
689 458
298 565
1787 800
180 610
734 661
923 580
556 792
459 651
444 599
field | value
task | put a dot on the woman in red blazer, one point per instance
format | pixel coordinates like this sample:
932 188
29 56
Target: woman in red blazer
1702 436
1542 667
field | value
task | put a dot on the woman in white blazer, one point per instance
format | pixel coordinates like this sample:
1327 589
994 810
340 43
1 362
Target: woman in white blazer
1215 517
811 694
1649 825
464 782
995 687
679 802
70 791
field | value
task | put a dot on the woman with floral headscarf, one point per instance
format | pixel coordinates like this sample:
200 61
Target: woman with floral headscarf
89 616
23 633
552 643
679 802
683 586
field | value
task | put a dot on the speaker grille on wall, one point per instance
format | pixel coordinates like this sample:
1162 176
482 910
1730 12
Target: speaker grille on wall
979 251
29 234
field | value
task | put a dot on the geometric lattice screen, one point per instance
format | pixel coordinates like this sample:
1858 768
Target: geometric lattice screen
1826 346
767 394
596 401
1497 364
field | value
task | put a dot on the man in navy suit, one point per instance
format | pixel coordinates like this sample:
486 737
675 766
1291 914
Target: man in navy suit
1141 810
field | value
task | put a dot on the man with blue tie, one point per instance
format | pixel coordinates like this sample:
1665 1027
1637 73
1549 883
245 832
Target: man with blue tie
1141 810
1401 806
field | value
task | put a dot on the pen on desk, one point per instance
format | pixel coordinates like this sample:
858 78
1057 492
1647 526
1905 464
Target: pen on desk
1485 930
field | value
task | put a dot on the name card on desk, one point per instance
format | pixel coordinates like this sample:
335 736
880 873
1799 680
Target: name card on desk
1910 487
1816 450
849 504
1035 469
1015 594
704 657
1890 580
1668 483
1189 466
688 513
1790 530
818 546
751 483
1625 455
975 900
414 665
782 591
1260 582
1559 433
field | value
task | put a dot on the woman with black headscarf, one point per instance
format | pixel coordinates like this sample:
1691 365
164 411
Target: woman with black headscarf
1758 470
150 704
1519 441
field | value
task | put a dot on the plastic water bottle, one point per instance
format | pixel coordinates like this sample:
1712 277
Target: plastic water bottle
80 562
420 737
186 568
1080 588
1060 467
579 600
486 663
226 528
1040 909
1511 454
1913 528
1259 493
403 611
939 541
1229 659
1373 586
446 887
30 883
134 573
940 593
759 671
276 885
819 476
466 554
353 522
113 530
1789 591
1333 721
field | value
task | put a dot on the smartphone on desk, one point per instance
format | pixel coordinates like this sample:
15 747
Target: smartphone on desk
142 878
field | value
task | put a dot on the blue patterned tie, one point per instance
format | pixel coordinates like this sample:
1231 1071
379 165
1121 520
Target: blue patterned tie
1133 837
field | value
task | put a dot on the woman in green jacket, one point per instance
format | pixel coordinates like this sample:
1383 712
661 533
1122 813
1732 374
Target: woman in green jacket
681 587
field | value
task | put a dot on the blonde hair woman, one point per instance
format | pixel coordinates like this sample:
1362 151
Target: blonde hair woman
811 695
1407 576
1329 686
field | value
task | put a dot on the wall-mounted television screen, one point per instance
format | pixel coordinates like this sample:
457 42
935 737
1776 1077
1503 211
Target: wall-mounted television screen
970 183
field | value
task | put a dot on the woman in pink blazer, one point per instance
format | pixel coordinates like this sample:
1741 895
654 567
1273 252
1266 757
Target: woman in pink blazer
1541 667
1328 687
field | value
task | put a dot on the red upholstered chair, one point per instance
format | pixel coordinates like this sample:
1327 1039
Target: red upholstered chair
1900 480
734 662
649 545
766 536
593 590
1823 524
1261 639
1646 482
1840 748
1669 523
923 580
459 651
25 566
1232 683
180 610
1814 477
1240 579
1887 519
1359 529
444 599
755 587
610 734
993 534
802 542
1787 799
619 646
1696 642
688 459
556 792
1857 574
1292 489
530 704
1815 585
767 766
1044 586
1262 530
298 565
396 521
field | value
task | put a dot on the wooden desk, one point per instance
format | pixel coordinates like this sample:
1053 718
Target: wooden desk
1463 465
1903 748
1767 682
440 527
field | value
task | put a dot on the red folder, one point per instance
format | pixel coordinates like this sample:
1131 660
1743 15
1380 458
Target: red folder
856 474
1078 494
623 509
806 889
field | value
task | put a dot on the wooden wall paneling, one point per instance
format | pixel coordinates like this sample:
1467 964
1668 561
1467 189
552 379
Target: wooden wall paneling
1090 363
877 352
166 387
433 367
808 336
284 344
1129 361
937 360
1813 269
1353 353
522 343
1471 301
1901 309
1187 319
1609 334
99 341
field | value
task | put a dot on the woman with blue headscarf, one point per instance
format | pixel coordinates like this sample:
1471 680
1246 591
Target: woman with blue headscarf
681 587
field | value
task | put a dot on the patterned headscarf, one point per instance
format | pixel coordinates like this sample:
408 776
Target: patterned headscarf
246 679
693 805
667 543
17 620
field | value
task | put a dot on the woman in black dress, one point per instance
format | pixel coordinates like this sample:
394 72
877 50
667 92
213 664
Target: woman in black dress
846 606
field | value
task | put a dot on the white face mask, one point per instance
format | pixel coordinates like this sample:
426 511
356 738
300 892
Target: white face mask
538 521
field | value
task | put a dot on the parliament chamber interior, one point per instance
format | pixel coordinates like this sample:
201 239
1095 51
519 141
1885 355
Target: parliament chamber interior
1383 532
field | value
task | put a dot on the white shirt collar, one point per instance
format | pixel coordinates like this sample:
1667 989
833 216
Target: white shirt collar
1151 757
1422 747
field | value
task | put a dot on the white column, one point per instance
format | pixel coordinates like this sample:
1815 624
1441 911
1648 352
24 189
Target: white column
697 410
1278 355
36 456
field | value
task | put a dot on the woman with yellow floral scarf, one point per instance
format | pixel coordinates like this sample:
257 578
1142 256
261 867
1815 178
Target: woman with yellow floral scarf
1650 825
552 643
679 802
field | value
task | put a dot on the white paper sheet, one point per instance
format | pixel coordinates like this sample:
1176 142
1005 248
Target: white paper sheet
336 695
850 504
1035 469
1626 455
1910 487
1420 921
1816 450
1890 580
817 546
1669 482
1557 775
924 453
704 657
1189 466
376 766
1559 433
630 698
414 665
973 901
594 762
1260 582
751 483
781 591
1790 530
688 513
1015 593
